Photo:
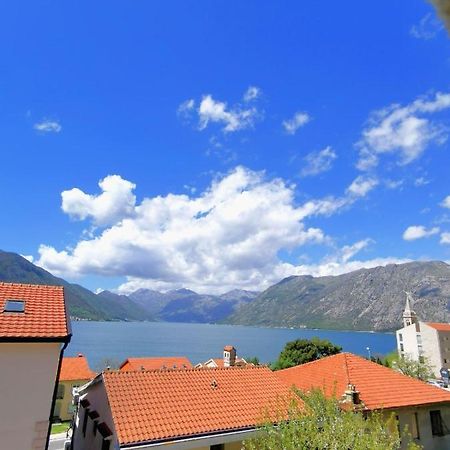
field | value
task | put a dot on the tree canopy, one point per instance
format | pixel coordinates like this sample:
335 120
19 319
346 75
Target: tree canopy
416 369
304 350
321 423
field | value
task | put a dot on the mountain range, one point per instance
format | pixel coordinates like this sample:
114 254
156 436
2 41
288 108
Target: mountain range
366 299
182 305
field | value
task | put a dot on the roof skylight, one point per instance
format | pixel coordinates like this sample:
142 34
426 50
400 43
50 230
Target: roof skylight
16 306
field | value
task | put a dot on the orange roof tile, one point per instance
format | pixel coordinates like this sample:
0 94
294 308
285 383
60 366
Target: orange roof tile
44 316
161 405
439 326
75 368
378 386
176 362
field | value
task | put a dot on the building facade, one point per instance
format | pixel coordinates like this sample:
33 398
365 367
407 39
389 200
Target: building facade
34 331
75 372
424 341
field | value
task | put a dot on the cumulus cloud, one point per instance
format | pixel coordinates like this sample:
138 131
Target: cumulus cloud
115 202
318 162
403 130
362 185
299 120
232 118
230 235
342 261
446 202
47 126
415 232
445 238
427 28
252 93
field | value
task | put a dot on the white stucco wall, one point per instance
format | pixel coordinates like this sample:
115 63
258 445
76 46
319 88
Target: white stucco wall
27 379
409 341
427 440
98 400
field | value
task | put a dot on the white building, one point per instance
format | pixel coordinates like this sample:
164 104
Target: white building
34 331
424 340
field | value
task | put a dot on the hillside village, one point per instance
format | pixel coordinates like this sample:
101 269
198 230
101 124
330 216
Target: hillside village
218 404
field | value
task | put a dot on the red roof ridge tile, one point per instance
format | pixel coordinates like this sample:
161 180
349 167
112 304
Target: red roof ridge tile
36 286
181 369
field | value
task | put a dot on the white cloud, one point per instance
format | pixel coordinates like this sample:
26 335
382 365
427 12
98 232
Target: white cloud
362 185
252 93
393 184
414 232
47 126
228 236
421 181
232 118
445 238
446 202
116 201
186 107
403 130
29 258
342 261
299 120
318 162
427 28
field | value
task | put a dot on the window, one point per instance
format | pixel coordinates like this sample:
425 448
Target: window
437 428
421 359
445 361
94 427
17 306
400 337
105 444
217 447
415 426
402 349
60 393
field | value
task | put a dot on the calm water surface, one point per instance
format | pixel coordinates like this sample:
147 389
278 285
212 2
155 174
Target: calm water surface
199 342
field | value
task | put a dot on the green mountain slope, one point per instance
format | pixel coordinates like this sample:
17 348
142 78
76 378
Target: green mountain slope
81 302
367 299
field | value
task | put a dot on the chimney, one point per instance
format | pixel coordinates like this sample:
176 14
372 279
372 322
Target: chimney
229 356
351 395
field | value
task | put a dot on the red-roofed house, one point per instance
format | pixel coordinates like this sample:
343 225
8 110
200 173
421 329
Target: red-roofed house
176 409
424 340
34 331
176 362
75 372
368 386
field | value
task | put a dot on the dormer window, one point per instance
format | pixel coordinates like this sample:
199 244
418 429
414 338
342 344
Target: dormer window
14 306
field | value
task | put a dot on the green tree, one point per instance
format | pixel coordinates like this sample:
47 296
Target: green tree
416 369
253 360
304 350
321 423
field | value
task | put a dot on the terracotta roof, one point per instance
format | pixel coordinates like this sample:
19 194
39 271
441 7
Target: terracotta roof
439 326
44 315
378 386
162 405
75 368
176 362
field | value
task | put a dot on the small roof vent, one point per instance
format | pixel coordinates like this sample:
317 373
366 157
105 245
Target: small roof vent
15 306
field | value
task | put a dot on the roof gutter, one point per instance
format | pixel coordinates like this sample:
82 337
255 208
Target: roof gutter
195 441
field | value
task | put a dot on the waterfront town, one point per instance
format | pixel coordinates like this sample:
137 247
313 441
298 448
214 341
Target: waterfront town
167 402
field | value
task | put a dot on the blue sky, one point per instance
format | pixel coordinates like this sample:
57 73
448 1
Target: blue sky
239 142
